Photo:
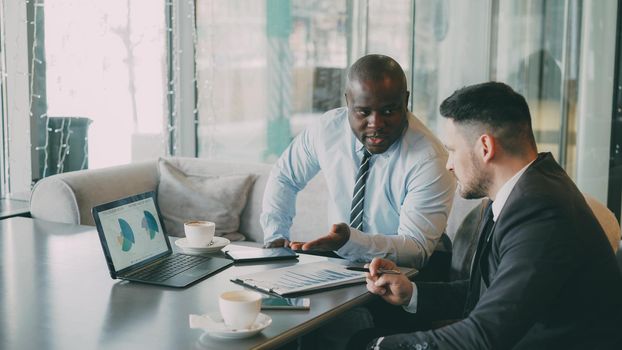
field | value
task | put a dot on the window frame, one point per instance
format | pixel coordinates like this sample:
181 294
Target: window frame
614 190
17 41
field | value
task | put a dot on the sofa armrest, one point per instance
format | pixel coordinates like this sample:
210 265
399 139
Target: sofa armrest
69 197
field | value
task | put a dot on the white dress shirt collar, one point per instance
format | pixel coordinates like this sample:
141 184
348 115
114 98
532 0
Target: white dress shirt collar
504 192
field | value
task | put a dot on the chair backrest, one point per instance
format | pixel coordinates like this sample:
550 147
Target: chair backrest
606 219
464 243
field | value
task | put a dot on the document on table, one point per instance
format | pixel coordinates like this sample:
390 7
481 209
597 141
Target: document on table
301 278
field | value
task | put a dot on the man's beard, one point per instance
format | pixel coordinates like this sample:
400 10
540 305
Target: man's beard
479 183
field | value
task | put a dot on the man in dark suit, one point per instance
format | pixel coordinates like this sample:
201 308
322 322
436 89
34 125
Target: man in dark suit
544 275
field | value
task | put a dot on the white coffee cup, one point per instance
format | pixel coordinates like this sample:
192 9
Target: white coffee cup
239 308
199 233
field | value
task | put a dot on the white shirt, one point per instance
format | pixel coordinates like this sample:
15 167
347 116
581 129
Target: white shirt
497 206
408 194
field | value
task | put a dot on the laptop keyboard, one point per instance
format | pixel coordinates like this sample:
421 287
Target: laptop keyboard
169 267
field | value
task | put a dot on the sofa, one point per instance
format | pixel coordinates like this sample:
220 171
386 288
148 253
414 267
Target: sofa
69 197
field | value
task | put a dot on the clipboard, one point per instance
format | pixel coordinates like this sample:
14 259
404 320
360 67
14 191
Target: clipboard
301 278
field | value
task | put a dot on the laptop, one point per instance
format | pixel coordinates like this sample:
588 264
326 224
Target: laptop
137 249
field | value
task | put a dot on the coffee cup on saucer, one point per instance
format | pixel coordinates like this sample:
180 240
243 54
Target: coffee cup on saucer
199 233
239 308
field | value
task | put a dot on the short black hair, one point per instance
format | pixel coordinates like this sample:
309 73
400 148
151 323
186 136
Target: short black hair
496 108
376 67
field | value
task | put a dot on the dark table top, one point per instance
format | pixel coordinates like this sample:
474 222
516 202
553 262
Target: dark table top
13 207
56 293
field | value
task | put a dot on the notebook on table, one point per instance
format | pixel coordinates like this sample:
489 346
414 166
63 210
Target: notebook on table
260 254
137 248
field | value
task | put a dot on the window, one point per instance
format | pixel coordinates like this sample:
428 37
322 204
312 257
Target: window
100 83
389 31
4 185
15 91
451 50
558 54
540 60
266 69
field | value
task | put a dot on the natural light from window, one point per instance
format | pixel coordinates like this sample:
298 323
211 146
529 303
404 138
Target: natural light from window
106 61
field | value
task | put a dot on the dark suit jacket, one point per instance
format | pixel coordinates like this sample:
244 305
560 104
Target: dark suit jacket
549 277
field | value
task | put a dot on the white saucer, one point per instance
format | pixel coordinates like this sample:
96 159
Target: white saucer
215 327
217 244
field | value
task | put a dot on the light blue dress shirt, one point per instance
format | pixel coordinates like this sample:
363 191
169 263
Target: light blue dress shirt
408 194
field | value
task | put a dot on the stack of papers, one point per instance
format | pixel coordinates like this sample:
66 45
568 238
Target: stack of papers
302 278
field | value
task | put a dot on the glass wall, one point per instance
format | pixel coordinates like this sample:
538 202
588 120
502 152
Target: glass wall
538 54
266 69
595 94
4 186
558 54
99 83
451 50
389 31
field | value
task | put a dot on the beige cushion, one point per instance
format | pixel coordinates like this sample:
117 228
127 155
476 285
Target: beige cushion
606 219
69 197
184 197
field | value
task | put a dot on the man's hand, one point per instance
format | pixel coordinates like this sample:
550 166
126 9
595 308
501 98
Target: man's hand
335 239
277 243
394 289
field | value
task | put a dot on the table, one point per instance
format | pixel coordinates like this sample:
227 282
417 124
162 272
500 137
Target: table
13 207
56 293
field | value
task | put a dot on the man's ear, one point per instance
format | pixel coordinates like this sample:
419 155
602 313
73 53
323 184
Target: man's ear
488 147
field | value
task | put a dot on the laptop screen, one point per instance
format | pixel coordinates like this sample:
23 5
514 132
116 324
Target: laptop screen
133 232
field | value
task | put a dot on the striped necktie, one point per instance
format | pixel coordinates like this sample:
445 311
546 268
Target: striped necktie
356 213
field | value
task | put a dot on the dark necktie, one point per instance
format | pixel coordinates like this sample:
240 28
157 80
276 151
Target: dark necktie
486 226
358 196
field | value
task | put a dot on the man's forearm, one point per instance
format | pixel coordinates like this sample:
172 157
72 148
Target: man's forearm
275 226
277 214
403 250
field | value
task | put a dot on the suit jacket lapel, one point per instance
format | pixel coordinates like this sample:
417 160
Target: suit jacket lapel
475 277
483 265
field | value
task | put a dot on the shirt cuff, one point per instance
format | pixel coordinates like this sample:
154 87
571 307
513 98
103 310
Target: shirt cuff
274 237
352 248
412 305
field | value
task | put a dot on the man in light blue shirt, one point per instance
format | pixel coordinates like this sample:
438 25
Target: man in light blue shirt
407 192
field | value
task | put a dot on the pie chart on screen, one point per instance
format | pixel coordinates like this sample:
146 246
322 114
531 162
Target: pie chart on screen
126 237
149 223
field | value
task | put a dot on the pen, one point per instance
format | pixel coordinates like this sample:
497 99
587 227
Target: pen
380 271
